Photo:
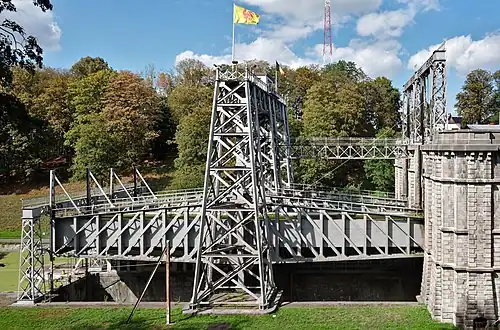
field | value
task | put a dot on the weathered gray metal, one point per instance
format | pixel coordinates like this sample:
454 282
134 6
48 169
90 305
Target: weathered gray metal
243 158
303 223
31 285
348 148
422 117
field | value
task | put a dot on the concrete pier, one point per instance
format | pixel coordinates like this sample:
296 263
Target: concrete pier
461 176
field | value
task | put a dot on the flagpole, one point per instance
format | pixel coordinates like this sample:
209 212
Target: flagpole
233 41
233 32
276 76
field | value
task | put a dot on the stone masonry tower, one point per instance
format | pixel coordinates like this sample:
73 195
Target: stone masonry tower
461 177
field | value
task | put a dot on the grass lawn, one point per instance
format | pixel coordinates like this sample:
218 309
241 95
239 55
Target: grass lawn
9 269
11 205
9 273
286 318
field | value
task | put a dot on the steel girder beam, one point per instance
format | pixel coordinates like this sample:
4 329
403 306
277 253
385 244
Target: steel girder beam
319 203
317 234
348 148
129 235
302 229
425 100
343 197
241 159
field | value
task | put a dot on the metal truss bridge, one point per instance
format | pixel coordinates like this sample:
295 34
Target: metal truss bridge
248 216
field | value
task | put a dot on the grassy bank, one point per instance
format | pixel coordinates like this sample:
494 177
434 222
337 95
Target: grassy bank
286 318
9 269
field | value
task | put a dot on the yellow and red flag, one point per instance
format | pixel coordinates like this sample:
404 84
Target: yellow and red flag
245 16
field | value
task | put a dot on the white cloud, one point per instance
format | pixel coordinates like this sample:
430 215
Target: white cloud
379 58
261 49
303 17
313 9
300 18
392 23
37 23
464 54
376 59
424 5
385 24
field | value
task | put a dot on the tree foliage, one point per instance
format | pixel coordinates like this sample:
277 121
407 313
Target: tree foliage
193 72
115 128
192 141
187 99
87 99
190 103
342 102
476 102
20 138
380 172
88 65
17 48
119 119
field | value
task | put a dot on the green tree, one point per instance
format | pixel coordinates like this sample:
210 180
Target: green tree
476 100
334 110
190 103
52 104
86 96
495 104
131 108
193 72
382 102
348 70
192 141
120 132
87 100
20 139
98 147
88 65
163 146
335 106
186 99
16 48
380 172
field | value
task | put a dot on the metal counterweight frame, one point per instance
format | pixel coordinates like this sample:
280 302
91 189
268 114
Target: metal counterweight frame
424 100
244 160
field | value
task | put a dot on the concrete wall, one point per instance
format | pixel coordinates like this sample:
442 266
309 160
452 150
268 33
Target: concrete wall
384 280
461 176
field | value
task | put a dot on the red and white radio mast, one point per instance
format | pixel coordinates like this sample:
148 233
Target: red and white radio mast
327 44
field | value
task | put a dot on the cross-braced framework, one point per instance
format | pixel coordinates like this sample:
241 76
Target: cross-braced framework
32 284
424 100
31 287
243 159
348 148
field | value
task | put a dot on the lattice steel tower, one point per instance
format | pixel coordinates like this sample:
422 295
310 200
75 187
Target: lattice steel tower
424 100
244 163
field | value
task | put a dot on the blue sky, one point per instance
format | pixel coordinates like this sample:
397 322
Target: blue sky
384 37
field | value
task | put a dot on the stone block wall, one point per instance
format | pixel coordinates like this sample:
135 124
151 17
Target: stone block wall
409 185
401 178
461 177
